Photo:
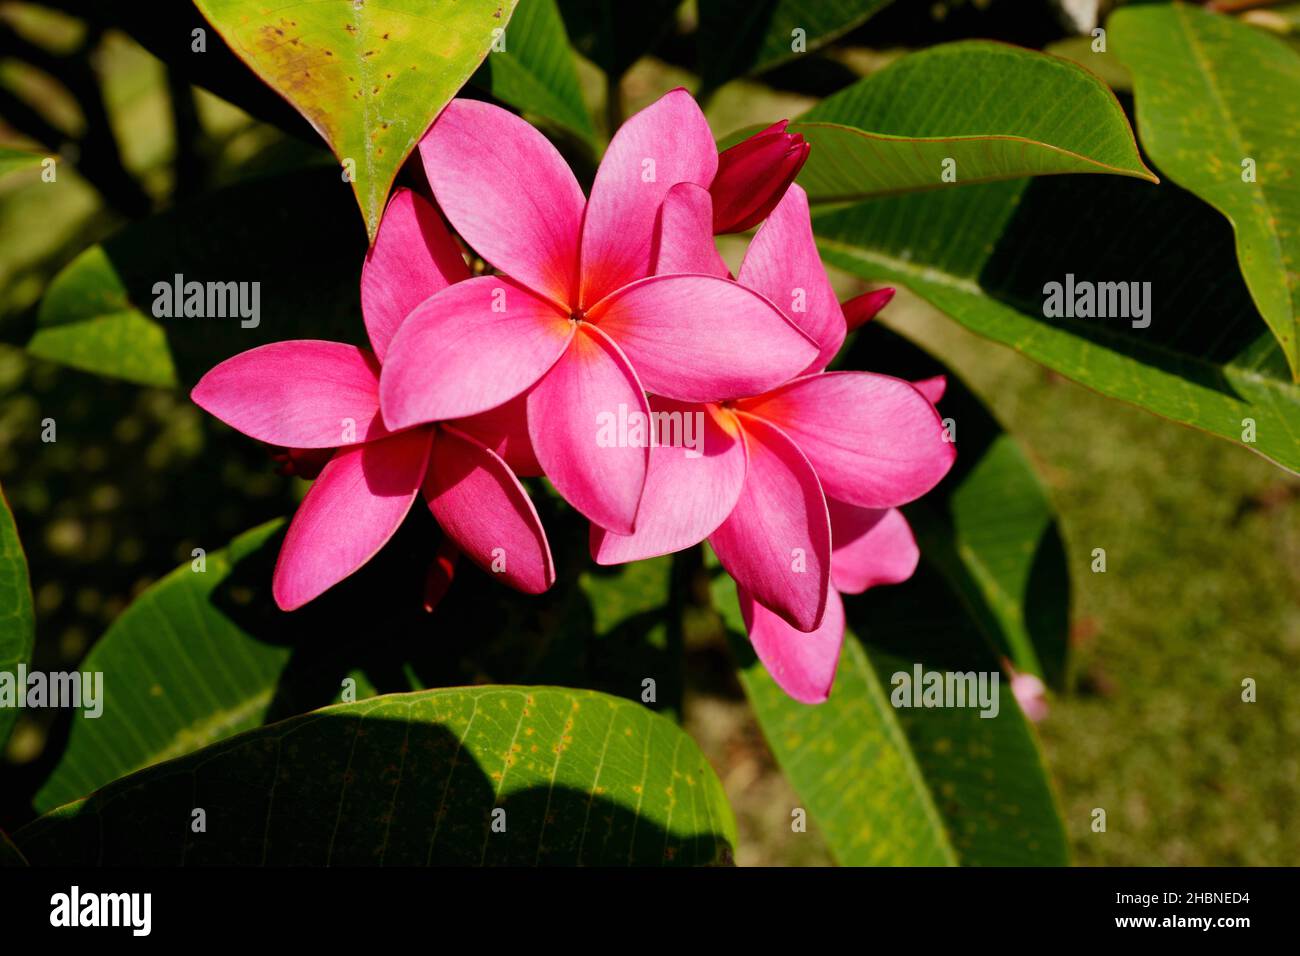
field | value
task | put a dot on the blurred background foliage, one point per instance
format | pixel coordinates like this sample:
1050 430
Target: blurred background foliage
1202 538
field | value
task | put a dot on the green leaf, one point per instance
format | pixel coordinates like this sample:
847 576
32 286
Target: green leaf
989 528
738 37
370 77
1214 94
182 673
536 73
924 787
17 624
984 255
13 160
291 234
893 132
413 779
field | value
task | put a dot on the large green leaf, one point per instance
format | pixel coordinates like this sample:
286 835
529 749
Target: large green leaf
889 786
416 778
737 37
997 111
17 624
290 234
989 528
1213 94
984 254
370 77
183 674
535 72
943 786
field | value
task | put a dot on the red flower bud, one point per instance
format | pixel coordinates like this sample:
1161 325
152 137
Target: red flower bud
860 310
753 175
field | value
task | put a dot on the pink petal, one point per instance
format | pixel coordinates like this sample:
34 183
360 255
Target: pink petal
469 348
782 263
875 441
684 236
668 142
413 257
776 542
802 664
568 415
703 339
862 309
481 506
932 388
871 546
689 491
351 511
509 194
504 429
300 394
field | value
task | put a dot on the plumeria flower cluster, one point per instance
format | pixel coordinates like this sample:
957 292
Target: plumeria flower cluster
609 307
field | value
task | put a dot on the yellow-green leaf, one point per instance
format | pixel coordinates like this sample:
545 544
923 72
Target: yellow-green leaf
369 75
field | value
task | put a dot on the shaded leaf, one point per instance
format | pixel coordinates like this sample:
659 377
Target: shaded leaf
9 854
616 35
417 778
291 234
890 786
895 131
989 528
535 73
17 623
738 37
985 255
1213 95
370 77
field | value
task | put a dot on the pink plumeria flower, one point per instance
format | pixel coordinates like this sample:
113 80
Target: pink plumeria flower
1030 693
578 321
317 395
825 457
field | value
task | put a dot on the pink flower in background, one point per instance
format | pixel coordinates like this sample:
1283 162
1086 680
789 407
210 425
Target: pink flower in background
753 175
1029 691
796 488
311 397
579 321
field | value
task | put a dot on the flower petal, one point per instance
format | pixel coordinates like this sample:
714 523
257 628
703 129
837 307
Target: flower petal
303 393
782 263
668 142
932 388
871 546
413 257
469 348
776 542
875 441
351 511
504 429
691 486
509 194
700 338
684 235
803 665
481 506
573 416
